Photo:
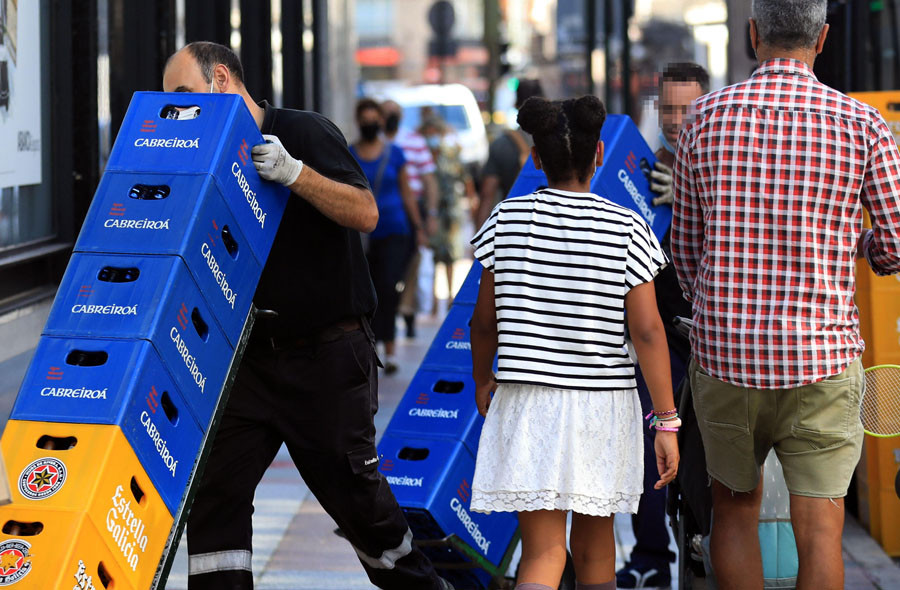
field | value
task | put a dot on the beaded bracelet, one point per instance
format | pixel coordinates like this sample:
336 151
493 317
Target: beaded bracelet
668 424
666 413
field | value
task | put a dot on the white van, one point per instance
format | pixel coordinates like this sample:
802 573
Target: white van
455 104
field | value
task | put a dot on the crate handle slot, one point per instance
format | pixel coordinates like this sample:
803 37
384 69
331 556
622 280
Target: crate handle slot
16 528
200 325
230 243
87 358
893 106
149 192
176 112
445 386
104 577
115 274
413 454
56 443
139 496
169 408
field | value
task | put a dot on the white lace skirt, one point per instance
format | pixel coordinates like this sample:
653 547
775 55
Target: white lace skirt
552 449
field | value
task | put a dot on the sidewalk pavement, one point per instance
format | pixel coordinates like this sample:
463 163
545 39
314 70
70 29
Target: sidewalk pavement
295 547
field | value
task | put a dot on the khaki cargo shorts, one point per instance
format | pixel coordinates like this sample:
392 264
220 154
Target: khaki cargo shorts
815 430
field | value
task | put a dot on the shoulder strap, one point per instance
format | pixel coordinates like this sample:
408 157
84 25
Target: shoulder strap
521 144
382 165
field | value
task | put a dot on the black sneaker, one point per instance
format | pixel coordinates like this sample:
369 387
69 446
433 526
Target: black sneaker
445 585
631 576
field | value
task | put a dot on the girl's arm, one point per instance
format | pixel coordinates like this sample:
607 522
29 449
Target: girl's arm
649 339
484 342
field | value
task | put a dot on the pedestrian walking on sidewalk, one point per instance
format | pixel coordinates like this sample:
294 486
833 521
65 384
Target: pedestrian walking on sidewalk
399 222
771 178
563 430
648 565
308 378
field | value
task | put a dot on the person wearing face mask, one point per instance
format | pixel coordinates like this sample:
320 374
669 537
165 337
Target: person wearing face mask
420 172
648 565
454 188
398 216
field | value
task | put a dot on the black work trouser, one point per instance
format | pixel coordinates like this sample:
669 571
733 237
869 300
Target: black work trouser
320 401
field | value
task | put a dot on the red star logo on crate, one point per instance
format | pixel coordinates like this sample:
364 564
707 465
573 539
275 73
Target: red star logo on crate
387 465
459 334
148 126
464 491
117 210
42 478
423 399
55 374
85 291
15 563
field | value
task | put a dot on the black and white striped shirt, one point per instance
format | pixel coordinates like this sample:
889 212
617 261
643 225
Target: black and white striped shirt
562 264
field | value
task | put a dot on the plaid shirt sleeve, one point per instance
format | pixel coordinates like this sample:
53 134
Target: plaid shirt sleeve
687 219
881 196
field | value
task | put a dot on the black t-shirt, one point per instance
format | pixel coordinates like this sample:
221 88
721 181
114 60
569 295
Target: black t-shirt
316 273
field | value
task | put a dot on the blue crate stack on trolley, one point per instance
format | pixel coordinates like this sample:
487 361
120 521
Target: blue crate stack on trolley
126 379
428 450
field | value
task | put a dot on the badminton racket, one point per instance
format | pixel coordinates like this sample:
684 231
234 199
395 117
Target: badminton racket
880 408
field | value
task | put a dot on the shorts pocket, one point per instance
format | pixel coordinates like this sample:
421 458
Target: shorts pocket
723 409
363 459
827 412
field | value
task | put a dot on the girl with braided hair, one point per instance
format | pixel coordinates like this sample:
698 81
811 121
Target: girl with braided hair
563 429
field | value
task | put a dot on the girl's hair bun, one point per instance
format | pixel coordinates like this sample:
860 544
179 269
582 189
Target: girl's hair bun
588 113
538 116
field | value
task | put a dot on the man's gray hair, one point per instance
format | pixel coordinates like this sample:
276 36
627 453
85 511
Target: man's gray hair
789 24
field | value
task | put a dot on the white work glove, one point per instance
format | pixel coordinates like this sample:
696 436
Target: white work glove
274 163
661 184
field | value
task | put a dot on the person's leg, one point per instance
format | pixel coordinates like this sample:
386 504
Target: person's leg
819 448
818 525
734 542
593 549
396 257
543 547
219 526
449 270
330 396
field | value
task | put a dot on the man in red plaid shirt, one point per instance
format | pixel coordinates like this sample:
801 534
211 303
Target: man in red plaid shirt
771 177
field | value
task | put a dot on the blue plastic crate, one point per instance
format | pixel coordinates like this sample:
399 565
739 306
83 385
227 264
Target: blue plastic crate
468 291
432 481
121 382
217 142
439 404
624 177
529 180
178 214
152 298
451 349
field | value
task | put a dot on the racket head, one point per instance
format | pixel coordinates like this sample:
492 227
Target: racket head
880 406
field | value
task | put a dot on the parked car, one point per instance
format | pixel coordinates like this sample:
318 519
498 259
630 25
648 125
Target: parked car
455 104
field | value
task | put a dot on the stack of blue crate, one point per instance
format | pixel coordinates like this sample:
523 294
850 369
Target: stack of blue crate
152 306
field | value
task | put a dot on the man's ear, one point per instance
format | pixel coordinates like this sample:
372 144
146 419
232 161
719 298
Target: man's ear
754 35
600 148
820 43
536 158
221 78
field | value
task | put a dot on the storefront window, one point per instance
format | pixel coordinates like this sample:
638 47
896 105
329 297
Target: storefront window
26 204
